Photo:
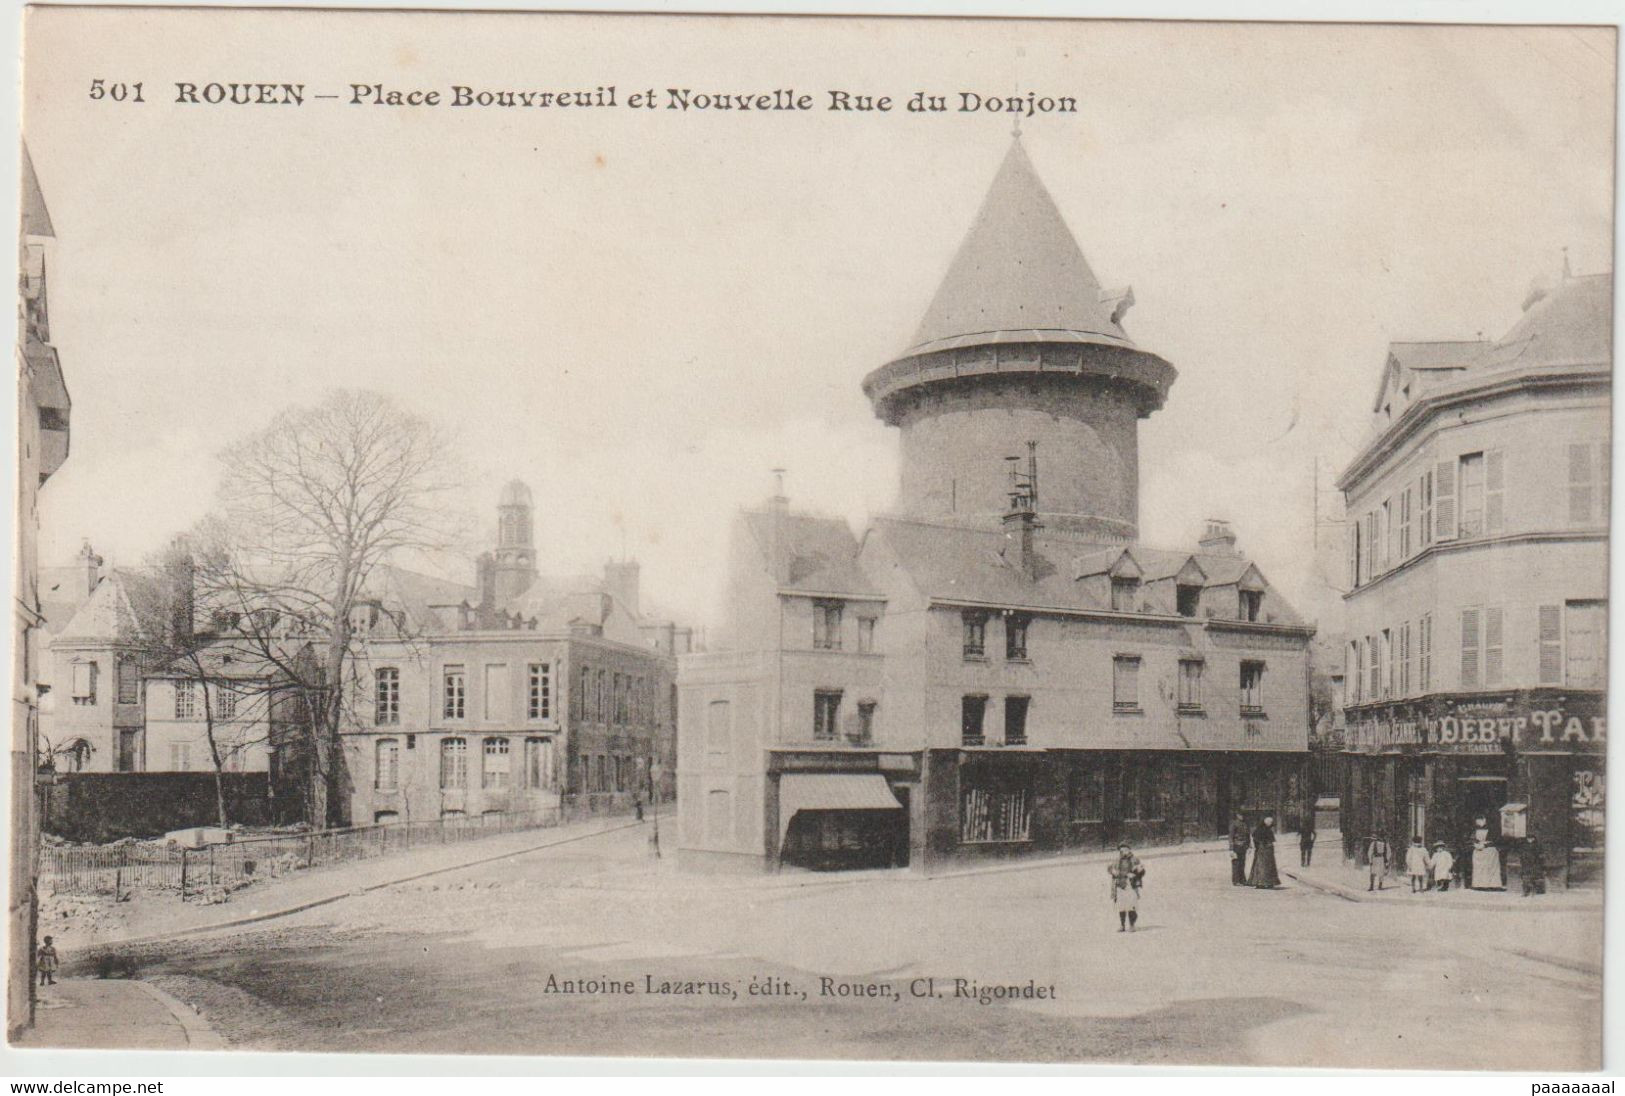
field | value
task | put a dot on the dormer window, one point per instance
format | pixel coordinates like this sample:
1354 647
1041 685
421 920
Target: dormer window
1188 599
1125 594
1252 601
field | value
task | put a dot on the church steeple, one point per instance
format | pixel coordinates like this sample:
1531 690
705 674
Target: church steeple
515 556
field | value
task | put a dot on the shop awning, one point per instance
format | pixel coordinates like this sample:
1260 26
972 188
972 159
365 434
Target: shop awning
832 792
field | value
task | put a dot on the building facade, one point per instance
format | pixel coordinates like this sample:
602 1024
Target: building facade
522 692
43 410
1476 657
999 667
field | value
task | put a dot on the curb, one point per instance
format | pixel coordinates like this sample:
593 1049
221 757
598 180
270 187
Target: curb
199 1035
288 911
1350 894
1332 889
1578 966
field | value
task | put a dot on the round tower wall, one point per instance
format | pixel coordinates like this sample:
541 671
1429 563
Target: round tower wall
955 436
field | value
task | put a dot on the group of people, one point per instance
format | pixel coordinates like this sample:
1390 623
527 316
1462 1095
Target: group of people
1438 868
1263 873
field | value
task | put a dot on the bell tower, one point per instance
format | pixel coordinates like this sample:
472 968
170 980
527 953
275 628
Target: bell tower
515 555
1021 345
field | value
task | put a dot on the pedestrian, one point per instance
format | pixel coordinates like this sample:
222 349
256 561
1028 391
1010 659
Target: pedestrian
47 963
1238 851
1306 843
637 806
1417 865
1264 875
1376 855
1531 868
1444 866
1127 874
1486 859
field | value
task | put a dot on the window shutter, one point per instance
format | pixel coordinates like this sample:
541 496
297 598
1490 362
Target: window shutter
1444 501
1424 677
1373 679
1493 646
1551 644
1424 486
1469 648
1580 484
1494 490
1354 556
1405 659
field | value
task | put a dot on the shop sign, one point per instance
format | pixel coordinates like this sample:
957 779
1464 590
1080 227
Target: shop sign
1477 726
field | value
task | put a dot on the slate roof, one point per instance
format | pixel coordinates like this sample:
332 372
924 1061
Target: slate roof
814 554
1572 324
36 219
1019 275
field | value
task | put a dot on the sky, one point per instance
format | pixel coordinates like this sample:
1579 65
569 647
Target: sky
641 313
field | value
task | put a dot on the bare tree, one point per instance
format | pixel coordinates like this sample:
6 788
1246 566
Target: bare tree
311 506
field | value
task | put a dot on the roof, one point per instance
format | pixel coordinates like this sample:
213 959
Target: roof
1019 275
515 493
416 594
125 605
36 219
1572 324
816 554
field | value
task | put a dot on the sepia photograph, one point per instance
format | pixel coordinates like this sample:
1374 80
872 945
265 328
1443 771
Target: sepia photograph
1063 541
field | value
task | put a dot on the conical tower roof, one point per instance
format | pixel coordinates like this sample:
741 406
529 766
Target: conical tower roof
36 218
1019 275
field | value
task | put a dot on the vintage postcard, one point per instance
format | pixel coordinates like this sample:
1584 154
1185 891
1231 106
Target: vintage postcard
899 539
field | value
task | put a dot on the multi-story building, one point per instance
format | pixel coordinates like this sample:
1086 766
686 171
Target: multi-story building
42 446
998 667
521 692
1477 618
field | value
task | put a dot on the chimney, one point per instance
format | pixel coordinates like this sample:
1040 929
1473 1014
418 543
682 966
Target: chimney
485 577
778 508
182 582
1021 521
91 569
1219 539
621 580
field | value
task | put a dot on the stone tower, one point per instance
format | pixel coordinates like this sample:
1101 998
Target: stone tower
1022 345
516 542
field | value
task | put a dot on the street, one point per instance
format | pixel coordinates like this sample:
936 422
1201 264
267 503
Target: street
482 960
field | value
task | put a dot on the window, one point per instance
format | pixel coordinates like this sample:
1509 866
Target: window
454 763
1405 676
1549 640
494 774
386 696
1373 670
1425 526
719 727
1385 521
1470 624
129 681
1252 601
1404 526
539 694
1444 500
1190 684
455 692
1126 683
84 683
717 811
866 635
620 774
225 702
1585 644
1494 649
1252 688
972 713
600 707
1470 482
1373 551
826 714
1588 483
1387 663
180 757
1424 653
1356 556
1125 594
495 700
185 700
1187 599
538 763
827 625
386 770
1086 794
975 625
617 704
1015 720
994 810
1351 671
866 722
1146 792
1494 491
578 695
1015 638
600 771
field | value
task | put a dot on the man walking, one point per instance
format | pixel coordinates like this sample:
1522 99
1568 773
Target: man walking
1238 851
1306 842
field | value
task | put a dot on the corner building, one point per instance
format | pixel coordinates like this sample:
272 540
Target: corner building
998 667
1478 564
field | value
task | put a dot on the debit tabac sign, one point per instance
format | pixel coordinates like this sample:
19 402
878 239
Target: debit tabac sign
1481 726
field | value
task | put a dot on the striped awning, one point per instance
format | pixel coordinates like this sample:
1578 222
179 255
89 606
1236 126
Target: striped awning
832 792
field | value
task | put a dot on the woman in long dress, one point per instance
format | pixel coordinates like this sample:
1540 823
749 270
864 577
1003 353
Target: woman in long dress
1486 859
1264 875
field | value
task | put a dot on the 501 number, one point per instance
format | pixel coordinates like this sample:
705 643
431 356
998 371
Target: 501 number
118 92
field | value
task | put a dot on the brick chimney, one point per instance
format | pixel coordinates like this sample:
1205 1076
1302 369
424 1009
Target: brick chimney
1219 539
485 572
90 569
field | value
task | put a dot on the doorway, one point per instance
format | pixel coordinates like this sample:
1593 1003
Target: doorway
1483 797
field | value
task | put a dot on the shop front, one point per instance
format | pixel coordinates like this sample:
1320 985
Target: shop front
842 810
1444 767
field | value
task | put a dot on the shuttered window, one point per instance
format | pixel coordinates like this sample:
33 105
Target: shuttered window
1550 640
1404 525
1373 685
1580 485
1351 671
1494 491
1493 646
1585 644
1424 653
1444 500
1425 488
1387 663
1404 688
1470 495
1470 646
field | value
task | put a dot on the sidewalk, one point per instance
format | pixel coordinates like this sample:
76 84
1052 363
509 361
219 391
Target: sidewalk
115 1014
149 917
1344 878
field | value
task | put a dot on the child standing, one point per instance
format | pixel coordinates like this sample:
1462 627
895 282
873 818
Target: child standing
1417 865
1444 866
1127 872
1376 862
47 963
